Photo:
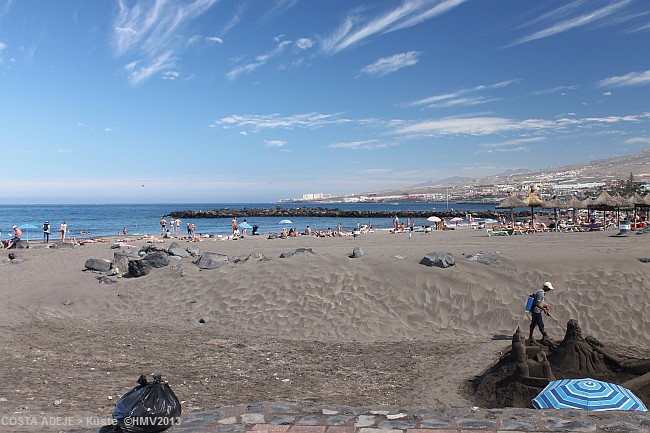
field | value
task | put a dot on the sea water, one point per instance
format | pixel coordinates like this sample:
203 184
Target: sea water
111 219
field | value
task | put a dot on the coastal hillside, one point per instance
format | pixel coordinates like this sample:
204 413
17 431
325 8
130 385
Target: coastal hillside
601 170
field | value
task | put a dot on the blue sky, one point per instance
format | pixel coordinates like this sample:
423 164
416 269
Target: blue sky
240 101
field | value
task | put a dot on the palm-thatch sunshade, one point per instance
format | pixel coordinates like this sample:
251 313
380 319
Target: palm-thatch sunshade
533 201
511 202
604 202
623 202
556 204
576 203
638 202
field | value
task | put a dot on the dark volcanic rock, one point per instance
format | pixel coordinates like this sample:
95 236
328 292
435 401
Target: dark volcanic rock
176 250
157 259
139 268
296 251
356 253
283 212
438 259
484 257
99 265
211 261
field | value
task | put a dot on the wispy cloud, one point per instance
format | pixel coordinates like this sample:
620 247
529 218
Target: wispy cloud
356 145
3 47
642 140
140 72
558 89
388 65
631 79
516 145
236 18
152 33
355 28
271 121
274 143
300 45
279 7
458 97
4 9
214 39
494 125
583 14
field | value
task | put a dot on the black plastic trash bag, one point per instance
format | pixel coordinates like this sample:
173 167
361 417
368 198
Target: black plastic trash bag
150 407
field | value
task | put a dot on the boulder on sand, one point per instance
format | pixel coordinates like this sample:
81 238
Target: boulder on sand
438 259
99 265
211 261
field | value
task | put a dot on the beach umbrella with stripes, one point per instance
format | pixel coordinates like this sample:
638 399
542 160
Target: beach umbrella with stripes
587 394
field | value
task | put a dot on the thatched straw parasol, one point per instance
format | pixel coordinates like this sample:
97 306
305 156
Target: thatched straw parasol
638 202
576 203
604 202
556 204
623 202
511 202
533 201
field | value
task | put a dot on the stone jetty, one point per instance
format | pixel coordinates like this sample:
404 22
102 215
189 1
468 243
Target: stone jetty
283 212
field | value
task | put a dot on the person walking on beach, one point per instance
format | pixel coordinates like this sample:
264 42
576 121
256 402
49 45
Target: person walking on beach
234 226
63 230
46 232
163 226
178 226
540 306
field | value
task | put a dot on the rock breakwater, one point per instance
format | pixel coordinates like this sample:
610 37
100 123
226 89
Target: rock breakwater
283 212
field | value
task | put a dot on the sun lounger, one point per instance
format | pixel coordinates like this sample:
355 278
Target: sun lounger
498 232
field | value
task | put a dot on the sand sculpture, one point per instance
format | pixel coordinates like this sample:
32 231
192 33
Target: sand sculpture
527 368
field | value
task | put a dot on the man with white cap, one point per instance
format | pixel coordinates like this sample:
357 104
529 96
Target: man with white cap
540 306
18 233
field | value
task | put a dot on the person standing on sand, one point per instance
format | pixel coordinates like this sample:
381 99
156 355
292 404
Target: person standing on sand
63 230
46 232
540 306
234 226
163 225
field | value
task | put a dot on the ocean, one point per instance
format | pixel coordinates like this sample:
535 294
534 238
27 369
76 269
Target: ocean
110 219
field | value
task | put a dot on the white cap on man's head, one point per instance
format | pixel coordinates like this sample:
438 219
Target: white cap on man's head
549 286
14 227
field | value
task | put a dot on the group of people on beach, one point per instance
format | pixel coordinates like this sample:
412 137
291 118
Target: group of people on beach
174 226
18 235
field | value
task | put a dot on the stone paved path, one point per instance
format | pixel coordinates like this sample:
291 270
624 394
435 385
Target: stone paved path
284 417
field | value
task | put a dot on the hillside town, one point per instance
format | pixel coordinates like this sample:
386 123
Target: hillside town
624 175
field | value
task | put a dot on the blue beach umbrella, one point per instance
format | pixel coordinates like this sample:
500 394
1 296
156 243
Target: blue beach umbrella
245 226
587 394
26 227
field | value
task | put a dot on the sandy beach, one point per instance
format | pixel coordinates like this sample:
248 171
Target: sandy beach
321 327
